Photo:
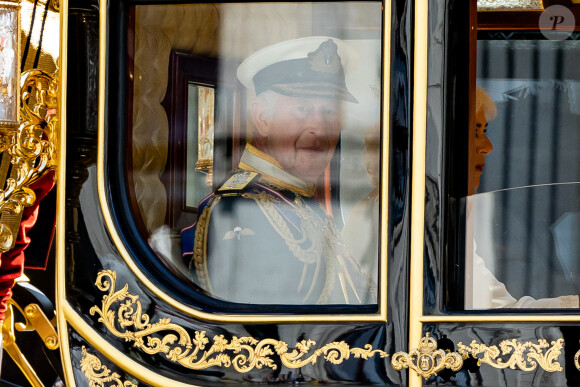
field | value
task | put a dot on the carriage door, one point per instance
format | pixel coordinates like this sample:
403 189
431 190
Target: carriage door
495 216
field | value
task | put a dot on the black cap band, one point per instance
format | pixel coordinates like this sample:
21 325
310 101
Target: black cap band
319 75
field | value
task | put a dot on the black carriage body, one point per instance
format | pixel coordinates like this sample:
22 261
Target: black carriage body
128 317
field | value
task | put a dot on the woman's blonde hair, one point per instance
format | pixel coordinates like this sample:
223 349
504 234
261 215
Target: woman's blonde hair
484 102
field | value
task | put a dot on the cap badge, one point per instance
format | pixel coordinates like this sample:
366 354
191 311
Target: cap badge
325 59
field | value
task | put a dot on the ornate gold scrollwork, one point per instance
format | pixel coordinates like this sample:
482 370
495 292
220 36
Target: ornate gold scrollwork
243 353
38 131
525 356
29 151
100 375
427 360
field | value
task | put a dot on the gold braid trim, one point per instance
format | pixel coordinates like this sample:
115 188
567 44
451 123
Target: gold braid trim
199 260
308 227
278 183
267 204
321 233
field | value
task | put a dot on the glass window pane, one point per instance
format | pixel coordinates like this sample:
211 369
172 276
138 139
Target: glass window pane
522 221
256 169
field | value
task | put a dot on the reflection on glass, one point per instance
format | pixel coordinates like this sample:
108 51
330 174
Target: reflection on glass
272 230
205 129
521 223
199 157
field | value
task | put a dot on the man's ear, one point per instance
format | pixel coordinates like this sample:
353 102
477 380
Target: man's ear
260 119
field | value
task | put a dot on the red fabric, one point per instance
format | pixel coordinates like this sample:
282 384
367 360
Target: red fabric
12 262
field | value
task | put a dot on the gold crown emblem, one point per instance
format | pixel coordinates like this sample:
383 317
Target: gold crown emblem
325 59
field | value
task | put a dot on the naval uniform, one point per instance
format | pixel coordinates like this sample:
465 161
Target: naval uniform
262 239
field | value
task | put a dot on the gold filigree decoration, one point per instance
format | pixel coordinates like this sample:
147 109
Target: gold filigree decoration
100 375
243 353
427 360
525 356
29 151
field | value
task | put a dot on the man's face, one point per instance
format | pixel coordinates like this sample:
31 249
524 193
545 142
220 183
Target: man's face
302 134
482 147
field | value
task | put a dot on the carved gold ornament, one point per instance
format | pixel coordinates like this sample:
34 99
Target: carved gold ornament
525 356
243 353
100 375
27 152
427 360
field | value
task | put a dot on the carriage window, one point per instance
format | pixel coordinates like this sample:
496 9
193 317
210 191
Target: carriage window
523 220
256 163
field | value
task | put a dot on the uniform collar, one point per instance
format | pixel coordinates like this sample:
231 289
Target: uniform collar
272 172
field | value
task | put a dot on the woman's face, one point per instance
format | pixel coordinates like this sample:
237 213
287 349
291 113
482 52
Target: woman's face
482 148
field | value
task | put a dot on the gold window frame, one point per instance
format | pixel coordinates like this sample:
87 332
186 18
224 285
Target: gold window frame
72 317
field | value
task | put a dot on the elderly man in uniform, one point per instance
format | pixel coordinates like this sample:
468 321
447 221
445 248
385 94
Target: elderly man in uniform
261 237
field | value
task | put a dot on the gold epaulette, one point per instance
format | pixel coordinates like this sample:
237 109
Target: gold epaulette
238 182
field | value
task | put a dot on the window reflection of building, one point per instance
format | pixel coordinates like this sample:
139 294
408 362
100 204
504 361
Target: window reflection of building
200 145
158 30
205 131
